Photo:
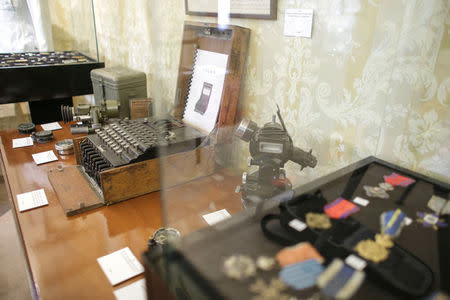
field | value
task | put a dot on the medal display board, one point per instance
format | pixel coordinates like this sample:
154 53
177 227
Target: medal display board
195 267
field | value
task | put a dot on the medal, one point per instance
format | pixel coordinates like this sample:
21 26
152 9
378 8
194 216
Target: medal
265 263
340 208
375 191
384 240
272 291
319 221
239 267
431 220
302 275
386 186
340 281
371 250
298 253
398 180
392 222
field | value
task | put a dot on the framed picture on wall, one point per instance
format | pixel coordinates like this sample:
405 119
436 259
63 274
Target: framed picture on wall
251 9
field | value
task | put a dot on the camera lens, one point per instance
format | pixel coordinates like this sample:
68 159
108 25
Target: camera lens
246 130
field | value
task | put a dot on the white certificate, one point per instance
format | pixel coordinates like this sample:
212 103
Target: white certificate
120 265
22 142
31 200
136 291
44 157
51 126
216 217
298 22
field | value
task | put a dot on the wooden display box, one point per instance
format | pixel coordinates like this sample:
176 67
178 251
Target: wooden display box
136 179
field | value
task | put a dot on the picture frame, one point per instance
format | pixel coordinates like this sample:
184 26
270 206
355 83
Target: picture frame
249 9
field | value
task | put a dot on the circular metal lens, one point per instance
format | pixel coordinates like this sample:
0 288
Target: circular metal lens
246 130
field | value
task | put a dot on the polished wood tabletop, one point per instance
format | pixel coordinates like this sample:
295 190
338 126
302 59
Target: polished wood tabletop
62 251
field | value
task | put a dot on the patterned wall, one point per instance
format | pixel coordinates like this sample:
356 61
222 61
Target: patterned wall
373 80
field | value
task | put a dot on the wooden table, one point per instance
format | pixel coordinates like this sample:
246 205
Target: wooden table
62 251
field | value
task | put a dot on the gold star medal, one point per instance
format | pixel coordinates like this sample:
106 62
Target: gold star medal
319 221
371 250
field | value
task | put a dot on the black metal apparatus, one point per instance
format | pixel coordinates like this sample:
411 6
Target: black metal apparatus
89 117
270 148
128 141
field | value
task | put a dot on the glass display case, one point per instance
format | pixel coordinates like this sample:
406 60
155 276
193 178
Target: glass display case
47 57
325 86
297 149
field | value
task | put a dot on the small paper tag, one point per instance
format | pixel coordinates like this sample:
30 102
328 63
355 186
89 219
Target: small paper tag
297 225
44 157
31 200
136 290
22 142
407 221
361 201
298 22
216 217
120 265
51 126
355 262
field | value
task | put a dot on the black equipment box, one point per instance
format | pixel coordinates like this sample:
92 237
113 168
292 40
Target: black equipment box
194 268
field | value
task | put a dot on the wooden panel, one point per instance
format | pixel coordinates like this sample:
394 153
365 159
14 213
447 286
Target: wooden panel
73 191
129 181
144 177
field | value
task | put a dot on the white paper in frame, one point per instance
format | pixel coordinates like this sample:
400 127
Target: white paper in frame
253 9
205 90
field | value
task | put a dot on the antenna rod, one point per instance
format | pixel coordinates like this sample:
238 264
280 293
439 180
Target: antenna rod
281 119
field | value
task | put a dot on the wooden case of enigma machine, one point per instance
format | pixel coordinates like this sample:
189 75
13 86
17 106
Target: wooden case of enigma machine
121 160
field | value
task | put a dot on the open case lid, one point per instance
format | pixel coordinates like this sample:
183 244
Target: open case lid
226 39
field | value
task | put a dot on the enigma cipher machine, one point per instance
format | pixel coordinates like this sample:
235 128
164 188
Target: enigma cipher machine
129 141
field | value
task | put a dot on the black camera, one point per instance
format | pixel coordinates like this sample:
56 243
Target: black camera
270 148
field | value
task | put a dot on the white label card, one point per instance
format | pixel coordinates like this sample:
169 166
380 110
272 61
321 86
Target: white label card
298 22
136 291
408 221
355 262
22 142
31 200
44 157
361 201
297 225
216 217
120 265
51 126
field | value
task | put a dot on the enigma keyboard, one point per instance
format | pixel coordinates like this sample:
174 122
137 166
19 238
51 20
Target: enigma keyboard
129 141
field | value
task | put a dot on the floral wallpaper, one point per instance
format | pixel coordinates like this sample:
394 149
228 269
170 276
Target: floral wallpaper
374 79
